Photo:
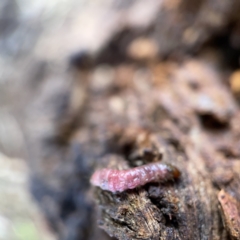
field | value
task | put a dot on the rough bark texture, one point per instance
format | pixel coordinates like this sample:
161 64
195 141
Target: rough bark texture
181 113
165 91
189 117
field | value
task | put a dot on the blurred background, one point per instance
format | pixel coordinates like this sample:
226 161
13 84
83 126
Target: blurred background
33 35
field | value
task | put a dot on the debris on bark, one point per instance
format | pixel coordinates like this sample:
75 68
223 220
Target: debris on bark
231 214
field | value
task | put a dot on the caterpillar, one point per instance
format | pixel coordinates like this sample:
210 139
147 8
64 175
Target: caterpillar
120 180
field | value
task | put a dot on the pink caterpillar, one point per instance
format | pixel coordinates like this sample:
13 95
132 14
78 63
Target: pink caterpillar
120 180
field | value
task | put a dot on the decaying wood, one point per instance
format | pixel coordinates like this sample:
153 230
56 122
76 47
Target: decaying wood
195 131
181 113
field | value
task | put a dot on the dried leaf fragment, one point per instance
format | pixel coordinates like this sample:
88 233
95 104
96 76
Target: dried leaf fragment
230 213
